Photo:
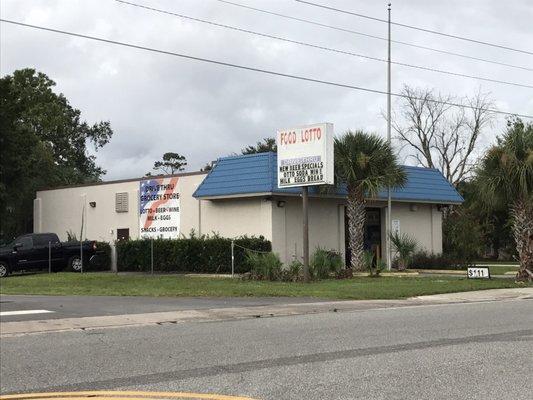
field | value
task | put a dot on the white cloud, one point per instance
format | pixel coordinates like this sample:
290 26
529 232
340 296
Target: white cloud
158 103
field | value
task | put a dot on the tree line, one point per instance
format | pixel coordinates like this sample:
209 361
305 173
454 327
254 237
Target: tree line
44 142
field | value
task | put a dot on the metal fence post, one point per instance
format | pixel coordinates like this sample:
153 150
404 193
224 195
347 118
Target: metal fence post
114 257
232 258
81 255
152 256
49 257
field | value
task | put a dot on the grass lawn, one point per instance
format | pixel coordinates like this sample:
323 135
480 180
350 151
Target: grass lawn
178 285
494 269
501 269
496 262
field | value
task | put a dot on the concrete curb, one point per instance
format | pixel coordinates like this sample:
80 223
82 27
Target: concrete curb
18 328
442 272
214 314
481 295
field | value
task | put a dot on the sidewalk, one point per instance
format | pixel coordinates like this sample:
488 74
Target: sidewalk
236 313
481 295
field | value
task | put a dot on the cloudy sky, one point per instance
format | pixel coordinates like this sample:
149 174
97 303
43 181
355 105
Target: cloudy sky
158 103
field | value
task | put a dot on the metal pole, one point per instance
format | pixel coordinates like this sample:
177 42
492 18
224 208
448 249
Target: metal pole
49 257
305 210
114 266
81 233
389 199
152 256
232 258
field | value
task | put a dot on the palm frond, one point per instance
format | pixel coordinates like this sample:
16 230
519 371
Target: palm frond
367 162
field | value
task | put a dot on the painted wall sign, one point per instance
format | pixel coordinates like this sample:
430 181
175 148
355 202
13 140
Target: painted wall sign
159 212
478 273
305 155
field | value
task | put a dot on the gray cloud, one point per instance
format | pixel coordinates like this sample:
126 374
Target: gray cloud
158 103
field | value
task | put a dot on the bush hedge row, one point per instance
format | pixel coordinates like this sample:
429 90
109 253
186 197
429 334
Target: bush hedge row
425 260
103 260
196 254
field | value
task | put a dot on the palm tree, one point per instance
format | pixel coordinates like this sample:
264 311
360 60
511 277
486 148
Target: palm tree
505 177
366 164
405 246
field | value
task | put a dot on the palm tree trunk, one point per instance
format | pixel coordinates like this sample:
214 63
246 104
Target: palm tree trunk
356 226
522 213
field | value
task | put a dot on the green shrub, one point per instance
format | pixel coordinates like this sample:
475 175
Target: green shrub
368 260
200 254
380 266
405 246
463 239
325 262
373 265
264 266
425 260
293 272
344 273
103 257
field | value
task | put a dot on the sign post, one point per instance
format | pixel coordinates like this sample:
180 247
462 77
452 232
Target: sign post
305 209
305 158
152 256
49 257
233 258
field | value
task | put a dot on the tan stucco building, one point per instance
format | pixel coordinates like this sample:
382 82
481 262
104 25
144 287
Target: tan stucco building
239 196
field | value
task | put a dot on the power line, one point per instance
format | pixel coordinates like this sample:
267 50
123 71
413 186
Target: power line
311 22
254 69
321 47
415 27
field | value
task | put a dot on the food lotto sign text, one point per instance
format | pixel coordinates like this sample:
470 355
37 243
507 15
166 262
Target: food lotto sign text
305 155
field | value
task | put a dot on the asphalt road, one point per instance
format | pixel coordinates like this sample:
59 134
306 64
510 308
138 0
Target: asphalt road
88 306
452 351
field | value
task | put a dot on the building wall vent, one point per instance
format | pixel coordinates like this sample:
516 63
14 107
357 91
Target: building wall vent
121 202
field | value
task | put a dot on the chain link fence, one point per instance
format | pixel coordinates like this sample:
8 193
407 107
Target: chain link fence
215 255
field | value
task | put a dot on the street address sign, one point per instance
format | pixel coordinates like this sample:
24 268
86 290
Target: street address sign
305 155
478 273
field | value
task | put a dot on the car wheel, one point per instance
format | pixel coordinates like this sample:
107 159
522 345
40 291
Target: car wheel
4 269
74 263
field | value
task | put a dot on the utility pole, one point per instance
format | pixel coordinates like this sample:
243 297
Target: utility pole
305 210
389 199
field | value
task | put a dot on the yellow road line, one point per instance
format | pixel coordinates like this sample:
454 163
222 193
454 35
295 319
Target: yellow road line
126 395
176 395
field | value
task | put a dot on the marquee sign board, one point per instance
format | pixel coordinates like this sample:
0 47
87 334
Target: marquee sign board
478 273
305 155
159 208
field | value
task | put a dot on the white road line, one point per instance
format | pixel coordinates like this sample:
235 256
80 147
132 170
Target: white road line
23 312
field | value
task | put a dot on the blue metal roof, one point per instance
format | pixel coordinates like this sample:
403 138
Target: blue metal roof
257 173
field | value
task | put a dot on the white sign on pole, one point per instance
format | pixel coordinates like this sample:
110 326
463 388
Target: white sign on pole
305 155
478 273
395 228
159 208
